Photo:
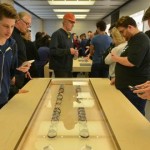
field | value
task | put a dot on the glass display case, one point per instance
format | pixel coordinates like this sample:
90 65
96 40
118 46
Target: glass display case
69 117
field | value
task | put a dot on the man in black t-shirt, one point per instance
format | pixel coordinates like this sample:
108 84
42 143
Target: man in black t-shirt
144 89
133 65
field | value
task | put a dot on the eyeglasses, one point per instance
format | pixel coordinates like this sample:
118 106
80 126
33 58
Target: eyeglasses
27 24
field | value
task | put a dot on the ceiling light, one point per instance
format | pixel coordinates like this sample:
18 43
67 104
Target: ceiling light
71 10
69 2
76 16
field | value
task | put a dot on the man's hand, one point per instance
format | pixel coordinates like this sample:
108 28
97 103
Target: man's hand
24 68
22 91
27 75
74 52
121 60
144 92
114 57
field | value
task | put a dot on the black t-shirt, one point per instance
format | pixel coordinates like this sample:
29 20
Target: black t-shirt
148 33
138 53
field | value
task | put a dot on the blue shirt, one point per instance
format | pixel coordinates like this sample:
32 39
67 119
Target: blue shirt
101 44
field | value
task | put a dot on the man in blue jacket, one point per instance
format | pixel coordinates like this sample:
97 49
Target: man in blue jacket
8 51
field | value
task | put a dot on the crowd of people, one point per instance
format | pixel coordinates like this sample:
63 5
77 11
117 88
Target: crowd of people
123 56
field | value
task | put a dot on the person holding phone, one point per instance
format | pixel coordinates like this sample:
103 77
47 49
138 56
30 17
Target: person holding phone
133 65
145 87
8 51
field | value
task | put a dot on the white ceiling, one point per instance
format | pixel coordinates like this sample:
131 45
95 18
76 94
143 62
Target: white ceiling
43 10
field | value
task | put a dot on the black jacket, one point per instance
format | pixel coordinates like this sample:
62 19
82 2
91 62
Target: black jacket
60 56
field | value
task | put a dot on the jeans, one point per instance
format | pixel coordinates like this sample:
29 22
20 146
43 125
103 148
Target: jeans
135 100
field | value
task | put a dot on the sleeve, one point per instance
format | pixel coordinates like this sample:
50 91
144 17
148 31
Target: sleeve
137 51
108 59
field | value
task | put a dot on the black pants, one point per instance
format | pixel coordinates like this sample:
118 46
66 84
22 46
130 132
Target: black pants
135 100
63 74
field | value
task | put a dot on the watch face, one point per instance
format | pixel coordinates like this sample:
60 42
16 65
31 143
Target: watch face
52 133
84 133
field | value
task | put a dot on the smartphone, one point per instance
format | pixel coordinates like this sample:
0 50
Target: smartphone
31 61
27 62
132 88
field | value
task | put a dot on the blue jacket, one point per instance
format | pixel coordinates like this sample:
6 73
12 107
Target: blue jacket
8 64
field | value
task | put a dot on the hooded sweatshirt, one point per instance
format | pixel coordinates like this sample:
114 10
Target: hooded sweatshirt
8 65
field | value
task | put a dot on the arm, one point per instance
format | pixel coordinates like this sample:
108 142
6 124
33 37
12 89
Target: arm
108 59
121 60
91 50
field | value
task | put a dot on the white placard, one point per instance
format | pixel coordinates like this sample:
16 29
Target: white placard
80 83
84 95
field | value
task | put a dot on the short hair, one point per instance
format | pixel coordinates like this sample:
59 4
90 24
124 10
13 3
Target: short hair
22 14
83 35
146 15
117 35
8 11
125 21
39 35
101 25
89 31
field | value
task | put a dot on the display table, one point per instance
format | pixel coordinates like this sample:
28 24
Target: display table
79 65
76 114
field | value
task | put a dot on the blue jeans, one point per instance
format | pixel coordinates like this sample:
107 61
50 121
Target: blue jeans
135 100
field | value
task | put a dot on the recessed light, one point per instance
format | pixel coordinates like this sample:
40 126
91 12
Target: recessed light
76 16
71 10
69 2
